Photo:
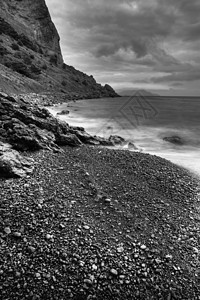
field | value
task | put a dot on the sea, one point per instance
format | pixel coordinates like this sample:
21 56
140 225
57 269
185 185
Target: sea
143 121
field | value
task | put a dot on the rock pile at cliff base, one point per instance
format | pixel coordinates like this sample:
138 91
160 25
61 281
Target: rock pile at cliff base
27 127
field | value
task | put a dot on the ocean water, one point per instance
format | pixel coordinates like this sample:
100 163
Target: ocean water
144 121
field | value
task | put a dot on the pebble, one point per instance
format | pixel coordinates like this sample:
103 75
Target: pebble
17 234
38 275
143 265
48 236
92 278
120 249
40 201
107 200
88 281
81 263
143 247
86 227
94 267
114 272
62 226
32 249
7 230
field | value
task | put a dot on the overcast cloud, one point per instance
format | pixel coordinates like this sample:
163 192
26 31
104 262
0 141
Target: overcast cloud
150 44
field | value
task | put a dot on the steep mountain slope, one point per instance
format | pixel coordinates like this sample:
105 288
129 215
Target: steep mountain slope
31 58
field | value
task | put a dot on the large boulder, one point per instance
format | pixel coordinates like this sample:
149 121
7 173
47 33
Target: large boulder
12 164
68 139
131 146
103 141
21 136
116 140
24 137
28 127
63 112
83 136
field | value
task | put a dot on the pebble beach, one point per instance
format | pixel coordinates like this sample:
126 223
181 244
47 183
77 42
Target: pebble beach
94 223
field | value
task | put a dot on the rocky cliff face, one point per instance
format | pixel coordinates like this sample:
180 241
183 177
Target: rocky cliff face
30 55
32 19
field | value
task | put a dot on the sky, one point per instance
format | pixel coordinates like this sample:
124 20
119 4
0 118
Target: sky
142 44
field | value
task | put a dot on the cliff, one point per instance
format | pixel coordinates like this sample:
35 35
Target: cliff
31 58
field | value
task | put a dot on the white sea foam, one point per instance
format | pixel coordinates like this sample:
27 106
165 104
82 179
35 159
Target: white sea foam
145 124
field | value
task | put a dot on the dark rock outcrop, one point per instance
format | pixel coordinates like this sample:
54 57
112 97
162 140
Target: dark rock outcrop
116 140
109 91
104 141
68 139
12 164
63 112
131 146
29 128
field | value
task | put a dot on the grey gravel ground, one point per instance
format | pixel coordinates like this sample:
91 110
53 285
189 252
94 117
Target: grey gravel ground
94 223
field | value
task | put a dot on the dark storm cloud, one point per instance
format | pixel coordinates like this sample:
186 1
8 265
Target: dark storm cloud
112 25
139 47
159 36
192 75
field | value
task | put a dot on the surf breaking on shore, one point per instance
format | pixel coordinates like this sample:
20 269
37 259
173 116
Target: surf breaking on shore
174 117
